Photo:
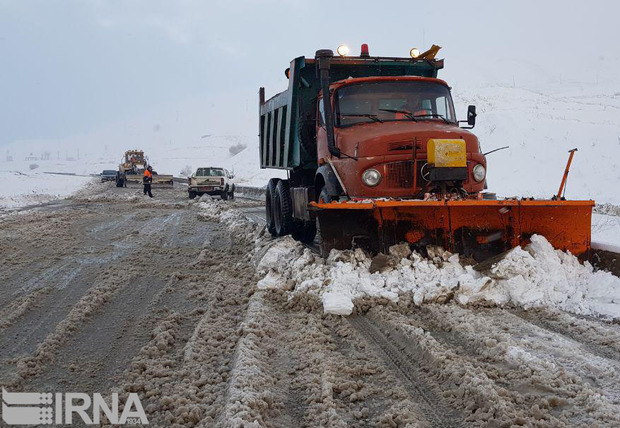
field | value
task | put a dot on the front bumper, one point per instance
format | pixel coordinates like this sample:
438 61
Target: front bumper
206 189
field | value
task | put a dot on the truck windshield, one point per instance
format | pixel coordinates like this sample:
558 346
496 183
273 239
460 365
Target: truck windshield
209 172
392 101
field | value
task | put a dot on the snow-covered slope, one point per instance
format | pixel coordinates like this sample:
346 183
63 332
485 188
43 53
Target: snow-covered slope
540 126
21 189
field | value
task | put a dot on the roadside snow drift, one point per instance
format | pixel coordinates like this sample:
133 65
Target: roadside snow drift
535 276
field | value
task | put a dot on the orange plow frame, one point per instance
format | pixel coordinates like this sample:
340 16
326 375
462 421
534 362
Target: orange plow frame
473 228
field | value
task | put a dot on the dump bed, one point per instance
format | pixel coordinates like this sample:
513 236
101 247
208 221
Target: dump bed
287 120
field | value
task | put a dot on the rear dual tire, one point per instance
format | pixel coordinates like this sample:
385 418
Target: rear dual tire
282 208
279 213
269 192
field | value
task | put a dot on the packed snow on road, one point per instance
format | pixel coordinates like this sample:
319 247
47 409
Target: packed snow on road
193 306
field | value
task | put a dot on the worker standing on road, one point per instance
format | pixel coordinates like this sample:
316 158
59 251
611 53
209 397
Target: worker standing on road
147 180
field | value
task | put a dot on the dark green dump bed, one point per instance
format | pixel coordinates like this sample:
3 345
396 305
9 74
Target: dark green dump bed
287 120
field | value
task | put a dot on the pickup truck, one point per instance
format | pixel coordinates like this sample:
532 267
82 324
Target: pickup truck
212 181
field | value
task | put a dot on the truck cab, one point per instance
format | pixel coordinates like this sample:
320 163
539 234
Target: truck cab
382 128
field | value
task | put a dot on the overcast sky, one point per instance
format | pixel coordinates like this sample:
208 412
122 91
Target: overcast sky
71 67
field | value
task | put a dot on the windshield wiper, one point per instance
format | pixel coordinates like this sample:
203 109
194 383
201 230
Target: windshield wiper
408 114
373 117
432 115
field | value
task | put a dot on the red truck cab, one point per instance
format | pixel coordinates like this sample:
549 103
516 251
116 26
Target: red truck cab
382 127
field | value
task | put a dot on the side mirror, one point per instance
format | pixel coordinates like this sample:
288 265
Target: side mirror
471 116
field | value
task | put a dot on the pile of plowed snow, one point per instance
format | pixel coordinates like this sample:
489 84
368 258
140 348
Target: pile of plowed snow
535 276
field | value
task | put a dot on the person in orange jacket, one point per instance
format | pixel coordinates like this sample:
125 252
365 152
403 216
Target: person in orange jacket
147 179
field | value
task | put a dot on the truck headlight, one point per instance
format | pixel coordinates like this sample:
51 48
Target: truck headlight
371 177
479 173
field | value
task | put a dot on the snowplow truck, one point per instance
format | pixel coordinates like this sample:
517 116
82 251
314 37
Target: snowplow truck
374 151
132 169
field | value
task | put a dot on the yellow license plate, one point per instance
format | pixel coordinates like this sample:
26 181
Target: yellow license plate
445 153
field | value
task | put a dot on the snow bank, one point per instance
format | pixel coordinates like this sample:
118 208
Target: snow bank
227 213
535 276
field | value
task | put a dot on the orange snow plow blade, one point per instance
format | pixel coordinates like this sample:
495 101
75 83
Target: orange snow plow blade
473 228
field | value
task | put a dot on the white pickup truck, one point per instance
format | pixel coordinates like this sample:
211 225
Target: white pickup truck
212 181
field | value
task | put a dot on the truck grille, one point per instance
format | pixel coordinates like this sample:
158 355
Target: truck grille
400 174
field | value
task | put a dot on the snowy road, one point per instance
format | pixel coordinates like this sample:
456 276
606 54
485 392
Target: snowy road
111 292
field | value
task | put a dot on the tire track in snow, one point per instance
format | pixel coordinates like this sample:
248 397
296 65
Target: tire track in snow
540 368
601 347
403 360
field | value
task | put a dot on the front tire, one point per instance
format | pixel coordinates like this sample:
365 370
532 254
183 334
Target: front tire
192 195
283 209
324 196
304 231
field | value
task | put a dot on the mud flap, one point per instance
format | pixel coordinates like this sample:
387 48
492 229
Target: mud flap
477 229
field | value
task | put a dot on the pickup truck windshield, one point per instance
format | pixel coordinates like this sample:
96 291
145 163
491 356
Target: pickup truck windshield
392 101
209 172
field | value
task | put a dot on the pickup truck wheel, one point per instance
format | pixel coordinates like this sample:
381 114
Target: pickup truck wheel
283 209
304 231
224 195
231 195
269 194
192 195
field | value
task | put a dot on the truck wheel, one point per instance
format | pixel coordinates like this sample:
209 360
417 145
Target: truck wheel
304 231
119 182
192 195
324 197
231 195
269 193
282 209
224 195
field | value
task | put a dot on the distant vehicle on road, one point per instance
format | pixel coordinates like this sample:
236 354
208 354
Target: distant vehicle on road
108 175
212 181
132 169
